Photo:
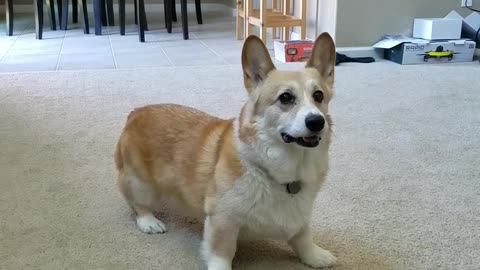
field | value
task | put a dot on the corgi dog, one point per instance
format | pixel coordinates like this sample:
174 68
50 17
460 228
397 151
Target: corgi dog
256 175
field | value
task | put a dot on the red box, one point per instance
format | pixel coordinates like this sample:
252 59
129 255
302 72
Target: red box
293 50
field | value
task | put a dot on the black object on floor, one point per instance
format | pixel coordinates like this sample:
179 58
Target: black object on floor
342 58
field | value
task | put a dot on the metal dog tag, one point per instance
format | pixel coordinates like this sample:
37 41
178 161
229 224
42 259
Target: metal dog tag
294 187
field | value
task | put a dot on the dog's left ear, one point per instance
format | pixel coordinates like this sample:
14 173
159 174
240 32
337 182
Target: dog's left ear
323 56
256 62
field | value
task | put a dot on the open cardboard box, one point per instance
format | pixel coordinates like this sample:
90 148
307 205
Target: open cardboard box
411 51
408 51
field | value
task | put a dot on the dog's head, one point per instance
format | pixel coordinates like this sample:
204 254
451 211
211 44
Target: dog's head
288 106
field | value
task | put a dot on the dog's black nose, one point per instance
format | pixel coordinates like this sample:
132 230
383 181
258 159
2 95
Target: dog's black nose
315 122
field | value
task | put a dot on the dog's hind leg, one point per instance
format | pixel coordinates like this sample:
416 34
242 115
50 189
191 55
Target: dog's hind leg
142 199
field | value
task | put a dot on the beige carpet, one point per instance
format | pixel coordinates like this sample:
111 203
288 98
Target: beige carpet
403 192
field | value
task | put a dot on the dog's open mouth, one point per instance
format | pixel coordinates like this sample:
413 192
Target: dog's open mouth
311 141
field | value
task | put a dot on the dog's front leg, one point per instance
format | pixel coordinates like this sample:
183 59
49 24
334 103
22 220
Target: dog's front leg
309 252
219 242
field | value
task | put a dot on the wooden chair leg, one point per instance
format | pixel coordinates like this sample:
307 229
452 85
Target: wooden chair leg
121 15
184 18
143 19
248 10
263 19
38 18
59 11
97 11
239 27
174 12
51 10
135 11
110 13
75 11
303 30
104 13
165 10
274 8
198 10
286 11
140 14
86 26
9 16
167 5
64 16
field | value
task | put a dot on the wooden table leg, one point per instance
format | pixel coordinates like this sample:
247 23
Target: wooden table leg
38 18
9 17
184 18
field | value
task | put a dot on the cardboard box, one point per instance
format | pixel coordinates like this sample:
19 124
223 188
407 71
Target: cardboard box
293 50
437 28
411 51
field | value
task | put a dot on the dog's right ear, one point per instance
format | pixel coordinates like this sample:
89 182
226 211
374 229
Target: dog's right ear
256 62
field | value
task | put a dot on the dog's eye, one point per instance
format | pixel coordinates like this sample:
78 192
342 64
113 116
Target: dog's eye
286 98
318 96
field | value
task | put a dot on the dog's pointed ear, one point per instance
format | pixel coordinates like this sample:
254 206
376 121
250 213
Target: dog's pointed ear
256 62
323 56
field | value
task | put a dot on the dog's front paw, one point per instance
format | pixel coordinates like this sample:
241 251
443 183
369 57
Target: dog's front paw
319 258
218 263
150 224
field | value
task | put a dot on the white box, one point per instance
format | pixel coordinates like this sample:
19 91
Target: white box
471 24
293 50
437 28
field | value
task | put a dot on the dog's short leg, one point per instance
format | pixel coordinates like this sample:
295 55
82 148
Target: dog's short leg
219 243
141 199
147 222
309 252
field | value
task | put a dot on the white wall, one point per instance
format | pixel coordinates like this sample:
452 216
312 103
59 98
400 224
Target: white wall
363 22
321 17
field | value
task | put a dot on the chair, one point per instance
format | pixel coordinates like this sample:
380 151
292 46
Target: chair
38 8
170 15
278 16
184 13
64 14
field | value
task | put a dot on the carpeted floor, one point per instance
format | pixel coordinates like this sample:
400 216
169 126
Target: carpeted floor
403 192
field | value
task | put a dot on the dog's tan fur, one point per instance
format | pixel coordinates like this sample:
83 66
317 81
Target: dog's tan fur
199 162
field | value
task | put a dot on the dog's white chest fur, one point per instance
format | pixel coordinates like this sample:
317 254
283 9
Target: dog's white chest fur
265 206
